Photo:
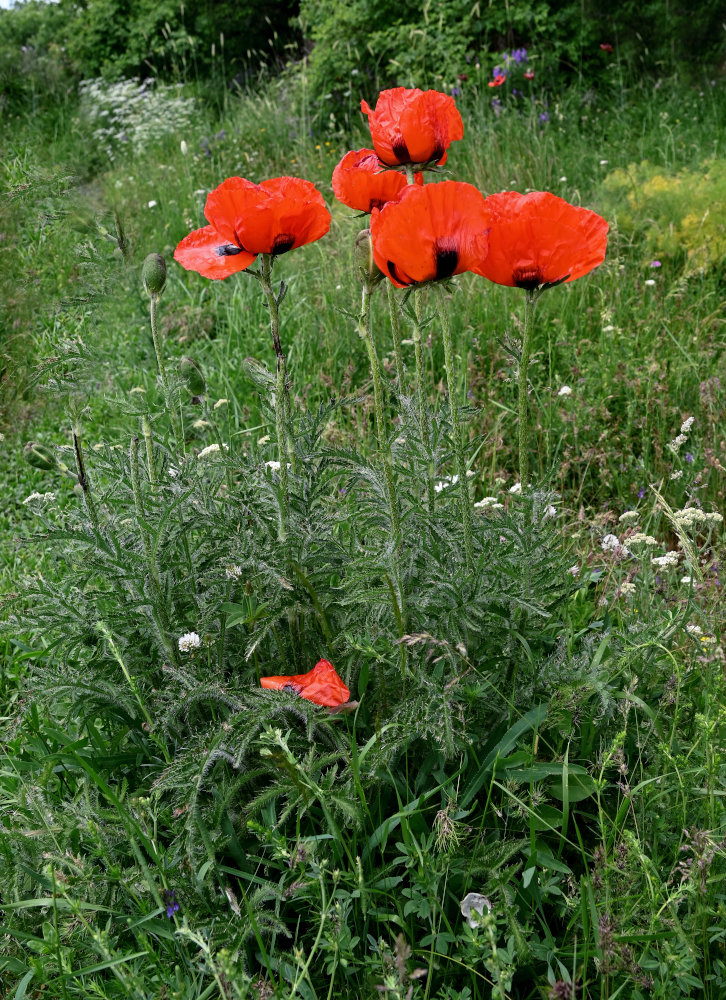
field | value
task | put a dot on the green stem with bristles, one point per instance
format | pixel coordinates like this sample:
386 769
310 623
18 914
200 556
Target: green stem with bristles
523 388
456 425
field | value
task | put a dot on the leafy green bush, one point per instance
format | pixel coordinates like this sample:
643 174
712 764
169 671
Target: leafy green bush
682 214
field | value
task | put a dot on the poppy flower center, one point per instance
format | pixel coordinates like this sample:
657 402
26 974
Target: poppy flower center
447 257
400 150
528 277
283 243
228 250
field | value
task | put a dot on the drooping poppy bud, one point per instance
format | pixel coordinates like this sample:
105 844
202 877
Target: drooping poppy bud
368 271
39 456
321 685
153 274
193 376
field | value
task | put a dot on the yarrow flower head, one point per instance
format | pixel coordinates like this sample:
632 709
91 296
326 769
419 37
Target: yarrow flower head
488 503
669 559
40 498
565 390
629 516
188 642
212 449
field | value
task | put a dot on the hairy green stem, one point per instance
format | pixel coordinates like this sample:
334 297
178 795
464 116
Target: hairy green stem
88 499
364 328
523 387
154 302
151 564
149 443
282 394
396 331
458 434
423 417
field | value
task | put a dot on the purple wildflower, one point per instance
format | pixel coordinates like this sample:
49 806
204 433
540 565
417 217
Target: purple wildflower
544 117
655 263
170 902
689 457
455 91
641 492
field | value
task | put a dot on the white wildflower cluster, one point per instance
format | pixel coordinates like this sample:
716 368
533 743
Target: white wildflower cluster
488 503
189 641
686 579
669 559
220 403
691 516
694 630
678 474
677 441
442 484
133 114
211 449
565 390
629 516
40 498
640 538
611 543
516 489
687 424
200 425
627 587
233 571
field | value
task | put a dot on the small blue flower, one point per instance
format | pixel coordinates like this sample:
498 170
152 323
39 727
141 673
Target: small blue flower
641 492
689 457
171 904
544 117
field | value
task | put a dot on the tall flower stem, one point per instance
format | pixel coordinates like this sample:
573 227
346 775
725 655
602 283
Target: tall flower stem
88 498
364 328
282 396
396 331
423 417
153 309
149 444
523 387
456 423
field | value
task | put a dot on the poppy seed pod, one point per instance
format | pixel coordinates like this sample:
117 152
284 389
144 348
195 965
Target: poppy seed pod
153 274
39 456
368 271
193 376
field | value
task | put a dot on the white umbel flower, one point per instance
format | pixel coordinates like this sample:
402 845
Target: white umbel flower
189 641
565 390
669 559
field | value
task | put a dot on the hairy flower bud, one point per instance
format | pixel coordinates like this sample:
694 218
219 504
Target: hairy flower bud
39 456
153 274
368 270
193 376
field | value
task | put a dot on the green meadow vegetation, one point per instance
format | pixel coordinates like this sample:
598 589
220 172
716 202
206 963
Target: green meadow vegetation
524 797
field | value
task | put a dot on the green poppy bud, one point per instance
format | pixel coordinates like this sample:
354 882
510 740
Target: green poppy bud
153 274
39 456
193 376
368 270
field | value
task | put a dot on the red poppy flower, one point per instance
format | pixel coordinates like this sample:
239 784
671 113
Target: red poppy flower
430 233
606 46
529 75
413 126
321 685
539 239
248 219
359 182
498 80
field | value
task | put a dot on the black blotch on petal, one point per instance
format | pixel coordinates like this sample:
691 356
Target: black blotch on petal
228 250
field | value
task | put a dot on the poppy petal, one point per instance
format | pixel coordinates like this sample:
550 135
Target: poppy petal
360 183
430 233
272 217
209 253
413 126
540 239
321 685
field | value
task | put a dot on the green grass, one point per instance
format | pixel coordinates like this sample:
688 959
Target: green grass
551 741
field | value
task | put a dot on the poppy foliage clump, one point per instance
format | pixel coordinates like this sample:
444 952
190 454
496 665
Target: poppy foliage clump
430 233
361 183
413 126
321 685
539 240
247 219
